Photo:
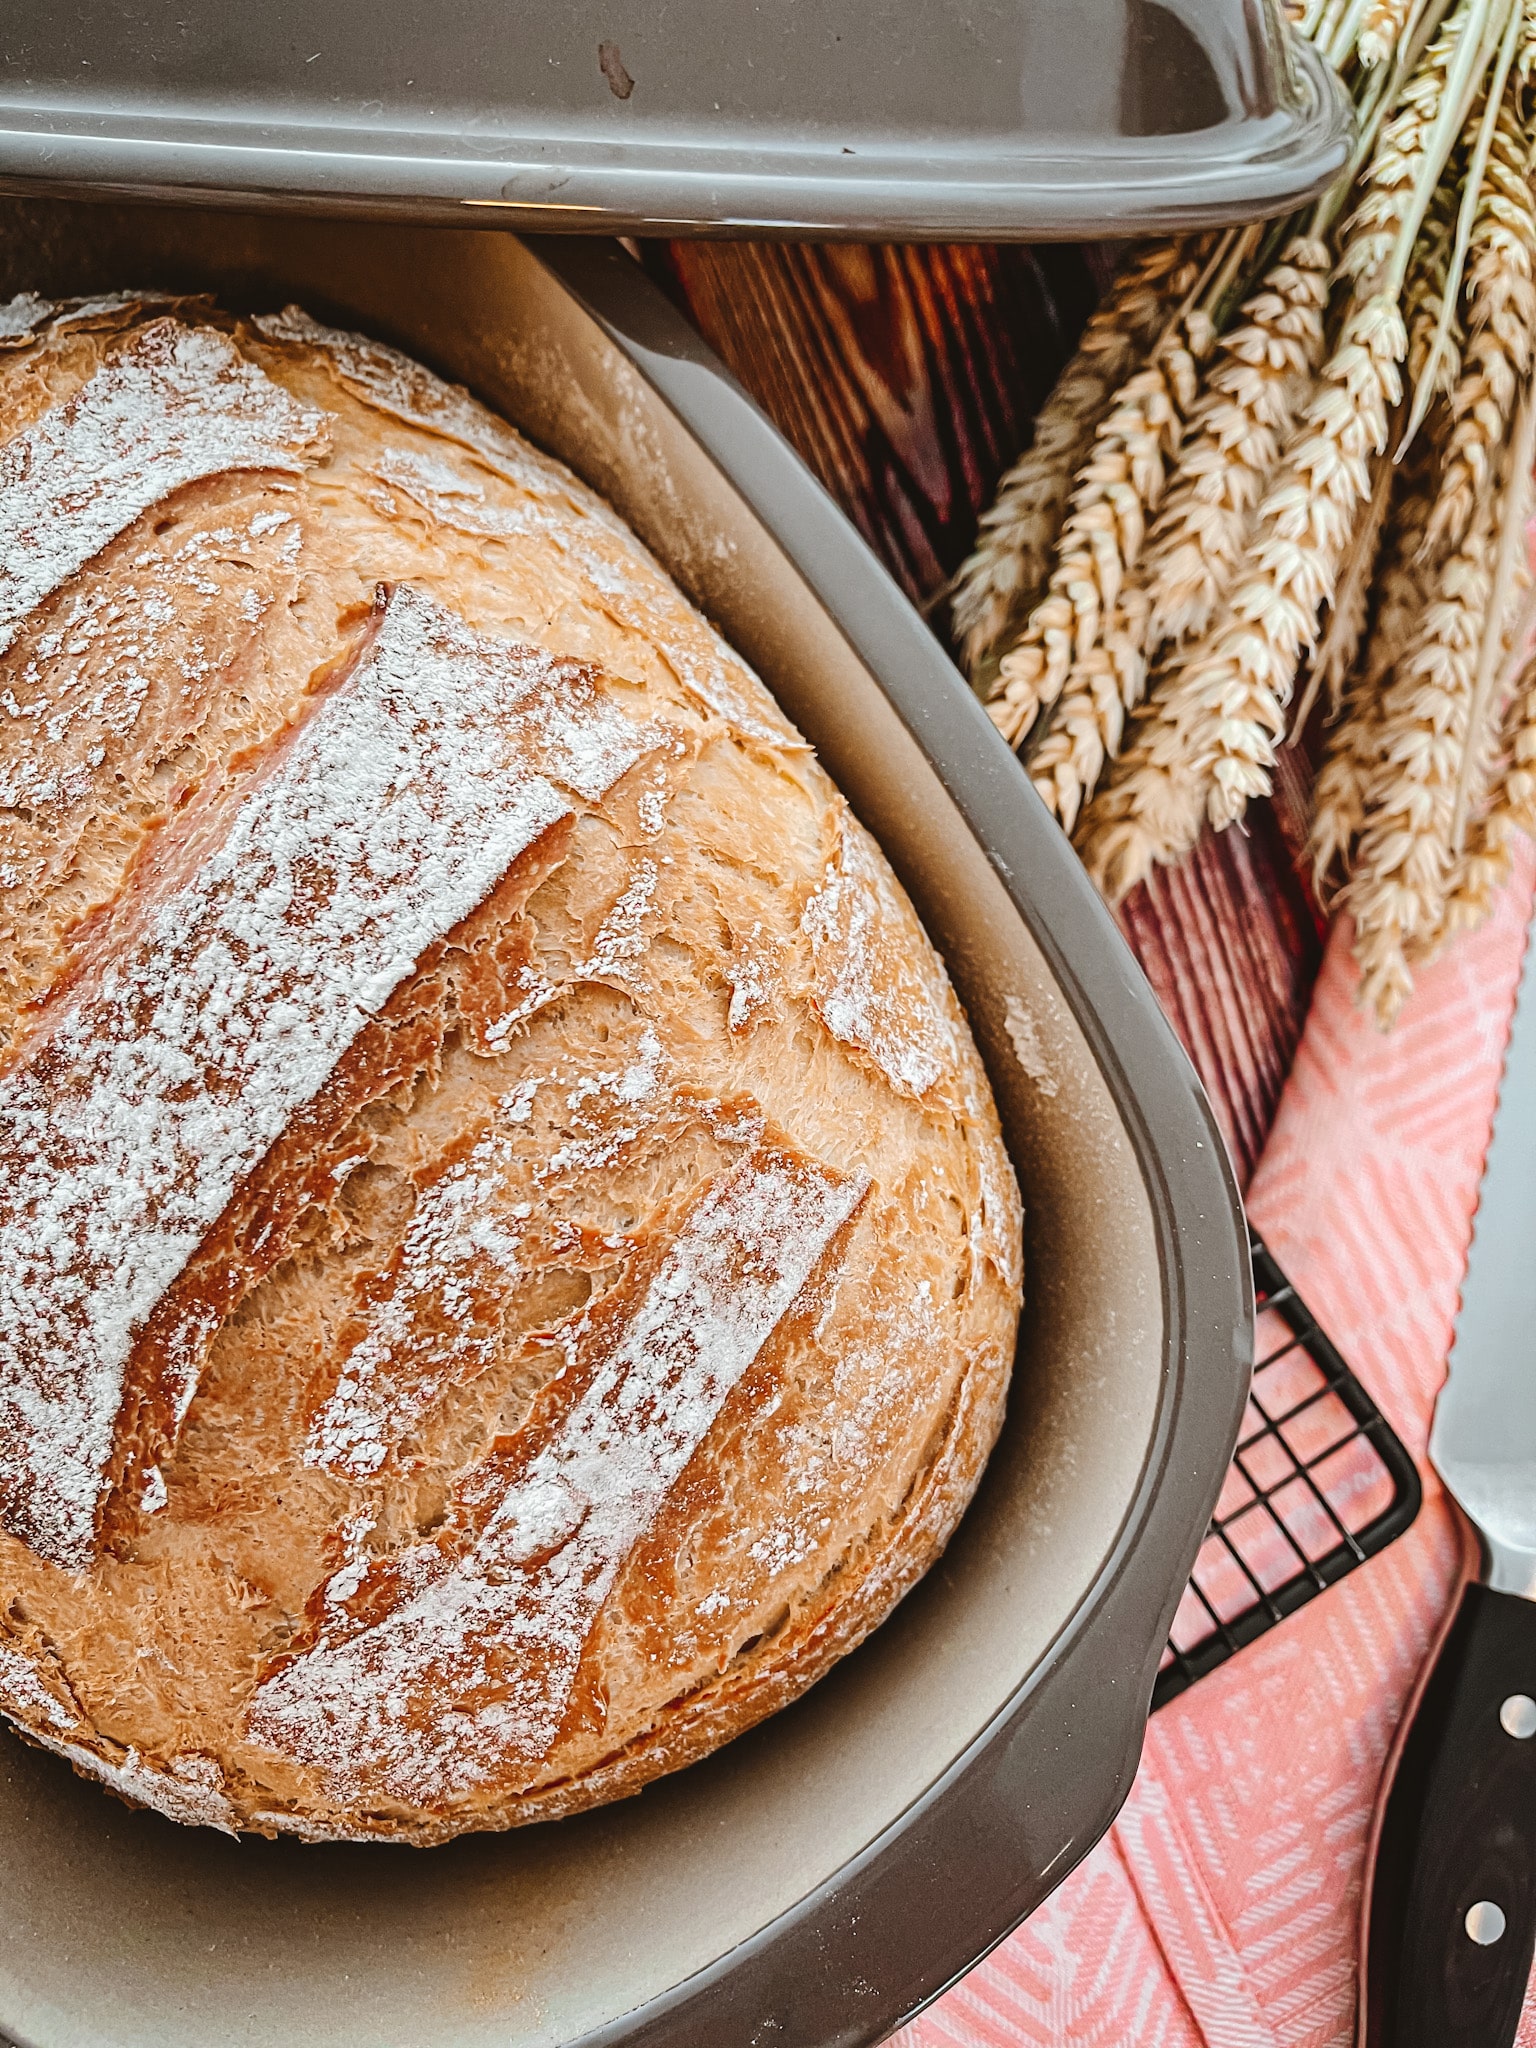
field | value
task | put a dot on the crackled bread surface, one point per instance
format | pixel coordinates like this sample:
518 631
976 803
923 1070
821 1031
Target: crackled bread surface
508 1267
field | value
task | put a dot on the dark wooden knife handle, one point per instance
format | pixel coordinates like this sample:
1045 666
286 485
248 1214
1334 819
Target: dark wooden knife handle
1458 1838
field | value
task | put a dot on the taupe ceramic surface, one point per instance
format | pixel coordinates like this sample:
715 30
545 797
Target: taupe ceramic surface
820 1878
826 117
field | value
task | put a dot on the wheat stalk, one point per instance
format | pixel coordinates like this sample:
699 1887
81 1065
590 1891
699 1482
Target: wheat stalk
1220 469
1206 746
1100 541
1384 23
1217 538
1209 746
1434 347
1402 870
1339 794
1244 683
1480 845
1006 572
1333 659
1501 319
1396 177
1261 372
1469 208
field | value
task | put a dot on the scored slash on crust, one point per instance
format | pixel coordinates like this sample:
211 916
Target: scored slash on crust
175 405
221 1001
499 1630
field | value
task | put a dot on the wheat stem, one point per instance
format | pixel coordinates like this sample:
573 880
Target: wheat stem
1101 538
1328 28
1007 570
1402 873
1339 794
1335 653
1501 299
1467 214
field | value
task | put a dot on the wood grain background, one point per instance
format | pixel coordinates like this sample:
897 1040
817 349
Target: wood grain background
908 377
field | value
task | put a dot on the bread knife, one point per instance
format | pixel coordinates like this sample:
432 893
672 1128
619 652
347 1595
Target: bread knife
1450 1919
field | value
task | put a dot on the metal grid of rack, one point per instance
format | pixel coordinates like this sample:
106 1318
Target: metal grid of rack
1319 1482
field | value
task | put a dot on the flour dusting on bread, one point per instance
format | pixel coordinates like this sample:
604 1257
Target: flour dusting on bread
174 406
496 1217
869 993
171 1068
501 1630
187 1787
507 1264
160 620
574 520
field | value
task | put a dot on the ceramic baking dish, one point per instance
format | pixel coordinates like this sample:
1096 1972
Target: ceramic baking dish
844 117
823 1876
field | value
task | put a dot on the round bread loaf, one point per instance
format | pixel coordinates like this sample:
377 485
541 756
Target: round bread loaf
508 1267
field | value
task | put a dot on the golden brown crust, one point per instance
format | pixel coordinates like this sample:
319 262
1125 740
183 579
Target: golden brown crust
697 1014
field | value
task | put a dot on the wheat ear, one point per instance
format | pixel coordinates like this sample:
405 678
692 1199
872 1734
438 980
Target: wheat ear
1262 369
1006 572
1100 541
1338 799
1478 144
1244 684
1384 23
1402 870
1105 679
1207 744
1424 297
1333 659
1511 804
1482 828
1261 372
1394 184
1501 319
1210 744
1513 798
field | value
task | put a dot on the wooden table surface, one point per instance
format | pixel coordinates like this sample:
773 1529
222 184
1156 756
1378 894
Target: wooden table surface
907 376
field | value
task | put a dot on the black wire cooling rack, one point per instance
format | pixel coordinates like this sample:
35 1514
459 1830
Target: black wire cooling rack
1319 1483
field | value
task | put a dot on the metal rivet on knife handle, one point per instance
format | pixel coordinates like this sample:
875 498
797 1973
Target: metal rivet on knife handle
1517 1716
1485 1922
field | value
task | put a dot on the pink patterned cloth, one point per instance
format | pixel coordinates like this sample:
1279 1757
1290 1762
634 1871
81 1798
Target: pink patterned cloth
1220 1910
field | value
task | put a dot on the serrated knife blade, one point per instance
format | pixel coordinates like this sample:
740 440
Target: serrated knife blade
1451 1892
1483 1443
